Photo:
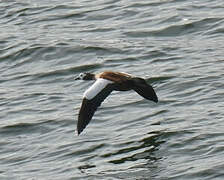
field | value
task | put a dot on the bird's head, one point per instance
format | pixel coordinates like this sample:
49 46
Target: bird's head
85 76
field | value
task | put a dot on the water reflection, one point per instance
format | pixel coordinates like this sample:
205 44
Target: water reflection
145 149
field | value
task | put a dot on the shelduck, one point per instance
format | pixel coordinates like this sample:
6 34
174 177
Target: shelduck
104 84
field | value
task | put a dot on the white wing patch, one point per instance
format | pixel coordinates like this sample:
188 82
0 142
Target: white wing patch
96 88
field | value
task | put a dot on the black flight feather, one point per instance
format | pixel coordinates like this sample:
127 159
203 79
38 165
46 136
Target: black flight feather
145 90
89 107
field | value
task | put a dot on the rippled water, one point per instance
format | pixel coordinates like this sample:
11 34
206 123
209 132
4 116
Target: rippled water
178 46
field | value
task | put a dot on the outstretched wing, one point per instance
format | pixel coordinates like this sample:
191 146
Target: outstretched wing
145 90
92 99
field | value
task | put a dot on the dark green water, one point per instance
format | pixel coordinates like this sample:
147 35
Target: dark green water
178 46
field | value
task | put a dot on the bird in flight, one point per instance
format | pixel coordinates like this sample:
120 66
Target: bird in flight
104 84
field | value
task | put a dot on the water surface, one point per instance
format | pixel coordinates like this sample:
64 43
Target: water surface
176 45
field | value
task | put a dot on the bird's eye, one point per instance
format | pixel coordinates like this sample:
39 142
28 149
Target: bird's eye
82 75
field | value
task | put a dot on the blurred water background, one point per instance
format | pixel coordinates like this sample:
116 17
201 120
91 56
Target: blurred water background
177 45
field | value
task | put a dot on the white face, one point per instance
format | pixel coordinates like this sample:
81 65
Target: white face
82 75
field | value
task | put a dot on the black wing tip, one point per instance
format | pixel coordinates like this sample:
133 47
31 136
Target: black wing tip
79 131
155 99
145 90
152 96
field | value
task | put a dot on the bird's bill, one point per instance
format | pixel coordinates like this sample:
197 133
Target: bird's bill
77 78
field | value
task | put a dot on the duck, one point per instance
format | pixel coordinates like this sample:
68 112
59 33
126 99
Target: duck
105 83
